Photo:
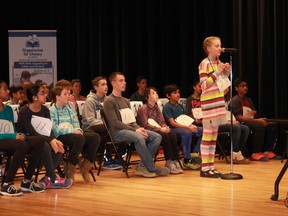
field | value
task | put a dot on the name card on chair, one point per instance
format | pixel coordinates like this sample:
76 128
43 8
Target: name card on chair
135 106
80 105
15 109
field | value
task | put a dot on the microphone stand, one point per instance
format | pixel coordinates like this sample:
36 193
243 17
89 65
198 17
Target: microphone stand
231 175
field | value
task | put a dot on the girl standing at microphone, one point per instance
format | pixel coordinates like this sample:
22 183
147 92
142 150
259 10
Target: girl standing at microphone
211 71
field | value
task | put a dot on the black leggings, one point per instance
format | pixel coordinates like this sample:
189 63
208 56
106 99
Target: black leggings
33 146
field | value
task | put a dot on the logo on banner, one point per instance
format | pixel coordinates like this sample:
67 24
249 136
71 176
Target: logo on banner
33 41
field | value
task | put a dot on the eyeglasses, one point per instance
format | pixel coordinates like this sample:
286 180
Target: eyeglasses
243 85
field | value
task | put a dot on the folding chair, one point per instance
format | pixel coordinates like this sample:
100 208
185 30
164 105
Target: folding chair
274 196
116 145
64 161
5 160
286 150
225 136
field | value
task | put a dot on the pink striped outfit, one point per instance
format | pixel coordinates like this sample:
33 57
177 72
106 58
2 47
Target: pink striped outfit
213 110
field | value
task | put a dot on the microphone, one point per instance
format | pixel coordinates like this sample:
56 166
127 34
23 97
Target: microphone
229 50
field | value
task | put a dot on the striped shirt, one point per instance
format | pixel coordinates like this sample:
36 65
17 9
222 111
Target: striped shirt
212 100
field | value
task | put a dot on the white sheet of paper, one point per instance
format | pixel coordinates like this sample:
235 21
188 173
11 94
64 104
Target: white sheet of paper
6 126
246 111
153 123
42 125
135 106
127 116
184 120
197 113
223 82
228 116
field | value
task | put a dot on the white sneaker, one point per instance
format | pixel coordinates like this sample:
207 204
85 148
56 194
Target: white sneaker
178 166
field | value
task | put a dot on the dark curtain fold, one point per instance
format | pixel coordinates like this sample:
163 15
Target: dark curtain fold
161 39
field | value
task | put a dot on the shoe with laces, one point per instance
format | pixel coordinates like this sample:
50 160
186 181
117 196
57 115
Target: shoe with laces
191 165
259 156
195 157
31 186
58 183
271 155
178 166
162 171
238 158
117 161
172 167
10 190
110 164
142 171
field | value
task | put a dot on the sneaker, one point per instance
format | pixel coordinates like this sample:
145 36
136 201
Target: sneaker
31 186
196 158
209 174
10 190
178 166
111 165
120 164
59 183
238 158
142 171
172 167
191 165
162 171
259 156
271 155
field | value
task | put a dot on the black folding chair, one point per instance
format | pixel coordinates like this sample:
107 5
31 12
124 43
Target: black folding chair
116 146
274 197
224 145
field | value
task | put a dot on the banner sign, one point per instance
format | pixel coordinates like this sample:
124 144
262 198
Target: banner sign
32 56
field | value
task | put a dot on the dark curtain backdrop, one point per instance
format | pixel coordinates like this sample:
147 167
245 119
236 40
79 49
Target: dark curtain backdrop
161 39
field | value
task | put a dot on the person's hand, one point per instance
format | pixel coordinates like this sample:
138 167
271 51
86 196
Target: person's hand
227 67
221 67
57 146
263 121
79 132
165 129
20 136
193 128
142 131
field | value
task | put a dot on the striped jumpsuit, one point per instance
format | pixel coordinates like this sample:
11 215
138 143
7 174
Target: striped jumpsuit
213 110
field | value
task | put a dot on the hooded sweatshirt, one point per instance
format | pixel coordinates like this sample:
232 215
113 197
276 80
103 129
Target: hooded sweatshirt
91 110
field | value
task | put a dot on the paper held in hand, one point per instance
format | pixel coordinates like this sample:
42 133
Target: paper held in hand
184 120
223 83
247 112
42 125
197 113
6 127
153 123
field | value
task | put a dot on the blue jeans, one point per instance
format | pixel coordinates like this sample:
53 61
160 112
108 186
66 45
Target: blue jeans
146 148
239 136
186 140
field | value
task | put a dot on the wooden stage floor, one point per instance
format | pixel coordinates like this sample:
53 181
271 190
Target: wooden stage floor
183 194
